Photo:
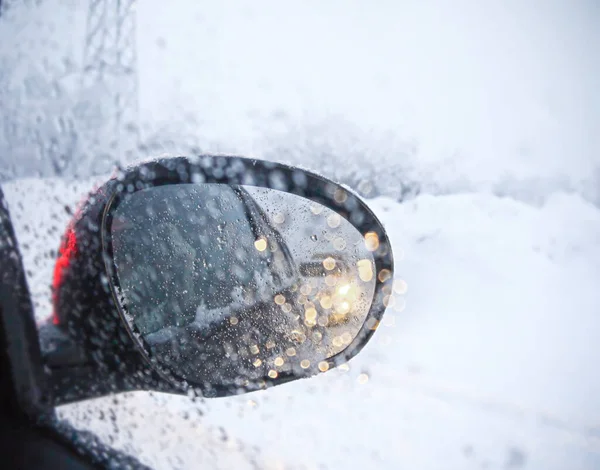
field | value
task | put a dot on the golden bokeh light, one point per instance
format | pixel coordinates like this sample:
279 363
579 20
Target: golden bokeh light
305 363
257 362
326 302
371 241
310 313
329 263
365 270
260 244
273 374
279 299
290 352
344 289
287 308
384 275
233 320
278 361
342 308
323 366
254 349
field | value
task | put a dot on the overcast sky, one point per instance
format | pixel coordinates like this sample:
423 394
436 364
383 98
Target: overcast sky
484 89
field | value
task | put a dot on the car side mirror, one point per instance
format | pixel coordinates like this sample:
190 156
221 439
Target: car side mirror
218 274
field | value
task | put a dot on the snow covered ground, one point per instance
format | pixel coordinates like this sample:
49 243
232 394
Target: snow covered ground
492 109
490 358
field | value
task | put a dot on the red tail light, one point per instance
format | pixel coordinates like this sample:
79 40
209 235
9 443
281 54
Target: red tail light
67 251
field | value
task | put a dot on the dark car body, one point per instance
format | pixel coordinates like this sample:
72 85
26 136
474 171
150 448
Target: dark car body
83 309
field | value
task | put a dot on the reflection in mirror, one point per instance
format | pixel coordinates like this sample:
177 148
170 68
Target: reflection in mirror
231 284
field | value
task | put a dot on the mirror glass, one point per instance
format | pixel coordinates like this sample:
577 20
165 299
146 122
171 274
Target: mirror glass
228 284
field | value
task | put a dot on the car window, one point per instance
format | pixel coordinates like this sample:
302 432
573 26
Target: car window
469 128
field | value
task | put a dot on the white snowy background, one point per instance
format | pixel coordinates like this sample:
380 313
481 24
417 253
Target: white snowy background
491 359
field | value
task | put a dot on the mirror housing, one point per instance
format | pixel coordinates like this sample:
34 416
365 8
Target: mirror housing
90 308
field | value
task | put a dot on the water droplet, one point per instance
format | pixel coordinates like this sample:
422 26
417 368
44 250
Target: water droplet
313 238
